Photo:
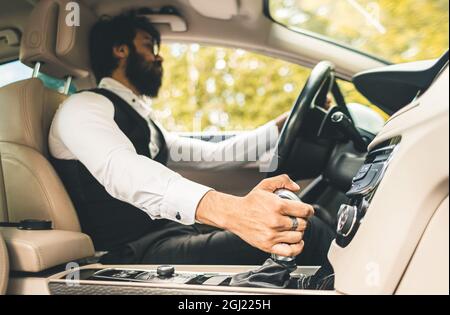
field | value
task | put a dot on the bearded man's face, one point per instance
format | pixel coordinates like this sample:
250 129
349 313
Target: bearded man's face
144 68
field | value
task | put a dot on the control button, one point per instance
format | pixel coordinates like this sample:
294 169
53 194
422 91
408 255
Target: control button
365 168
362 172
346 220
381 158
363 183
165 271
369 178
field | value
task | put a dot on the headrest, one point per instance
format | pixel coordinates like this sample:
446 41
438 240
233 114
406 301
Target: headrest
26 111
57 35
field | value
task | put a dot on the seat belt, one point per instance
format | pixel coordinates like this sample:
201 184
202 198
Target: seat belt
29 225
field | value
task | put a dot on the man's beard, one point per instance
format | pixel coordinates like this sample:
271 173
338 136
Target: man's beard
145 77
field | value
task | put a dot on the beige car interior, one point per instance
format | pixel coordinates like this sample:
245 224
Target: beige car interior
402 246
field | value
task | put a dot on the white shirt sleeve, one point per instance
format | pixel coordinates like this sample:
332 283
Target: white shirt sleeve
84 129
231 153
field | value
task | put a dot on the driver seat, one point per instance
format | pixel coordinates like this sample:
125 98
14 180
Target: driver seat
29 186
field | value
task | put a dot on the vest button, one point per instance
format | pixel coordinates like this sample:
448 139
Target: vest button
178 216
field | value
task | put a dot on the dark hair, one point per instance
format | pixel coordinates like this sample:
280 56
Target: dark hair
110 32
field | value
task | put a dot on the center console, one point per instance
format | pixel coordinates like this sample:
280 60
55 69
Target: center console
101 279
364 186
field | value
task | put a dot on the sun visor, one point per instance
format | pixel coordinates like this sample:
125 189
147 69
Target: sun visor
222 10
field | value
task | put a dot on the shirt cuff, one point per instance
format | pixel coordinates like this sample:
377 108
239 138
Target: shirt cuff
181 201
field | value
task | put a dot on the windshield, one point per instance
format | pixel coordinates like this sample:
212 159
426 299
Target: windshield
397 31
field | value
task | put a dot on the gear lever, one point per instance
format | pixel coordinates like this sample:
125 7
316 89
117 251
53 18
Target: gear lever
276 271
288 262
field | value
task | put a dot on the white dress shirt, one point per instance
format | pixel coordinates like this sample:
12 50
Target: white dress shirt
84 129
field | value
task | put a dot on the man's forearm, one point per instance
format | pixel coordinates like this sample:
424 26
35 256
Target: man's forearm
228 154
216 209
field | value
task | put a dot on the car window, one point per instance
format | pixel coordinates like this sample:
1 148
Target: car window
398 31
15 71
221 89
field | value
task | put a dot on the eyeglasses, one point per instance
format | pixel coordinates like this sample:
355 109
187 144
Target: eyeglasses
156 48
153 45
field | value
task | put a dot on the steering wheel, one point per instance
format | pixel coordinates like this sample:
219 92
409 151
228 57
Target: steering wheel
315 91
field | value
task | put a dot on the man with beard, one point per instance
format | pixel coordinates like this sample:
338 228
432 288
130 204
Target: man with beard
112 159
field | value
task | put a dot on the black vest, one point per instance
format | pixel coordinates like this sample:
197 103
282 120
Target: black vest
111 223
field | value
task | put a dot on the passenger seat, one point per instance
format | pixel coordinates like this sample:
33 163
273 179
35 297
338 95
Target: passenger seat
29 186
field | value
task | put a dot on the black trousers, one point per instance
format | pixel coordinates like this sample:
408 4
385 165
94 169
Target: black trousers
177 244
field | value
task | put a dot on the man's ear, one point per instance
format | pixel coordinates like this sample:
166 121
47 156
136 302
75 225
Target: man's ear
121 52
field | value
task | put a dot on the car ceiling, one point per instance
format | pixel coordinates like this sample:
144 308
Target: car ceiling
13 14
233 23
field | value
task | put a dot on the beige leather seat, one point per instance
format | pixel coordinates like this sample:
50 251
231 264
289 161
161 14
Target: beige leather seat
29 186
4 266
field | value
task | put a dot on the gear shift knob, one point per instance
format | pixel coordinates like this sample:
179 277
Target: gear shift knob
286 261
276 271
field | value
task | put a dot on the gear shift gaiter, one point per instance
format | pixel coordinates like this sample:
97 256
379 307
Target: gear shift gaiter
270 275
